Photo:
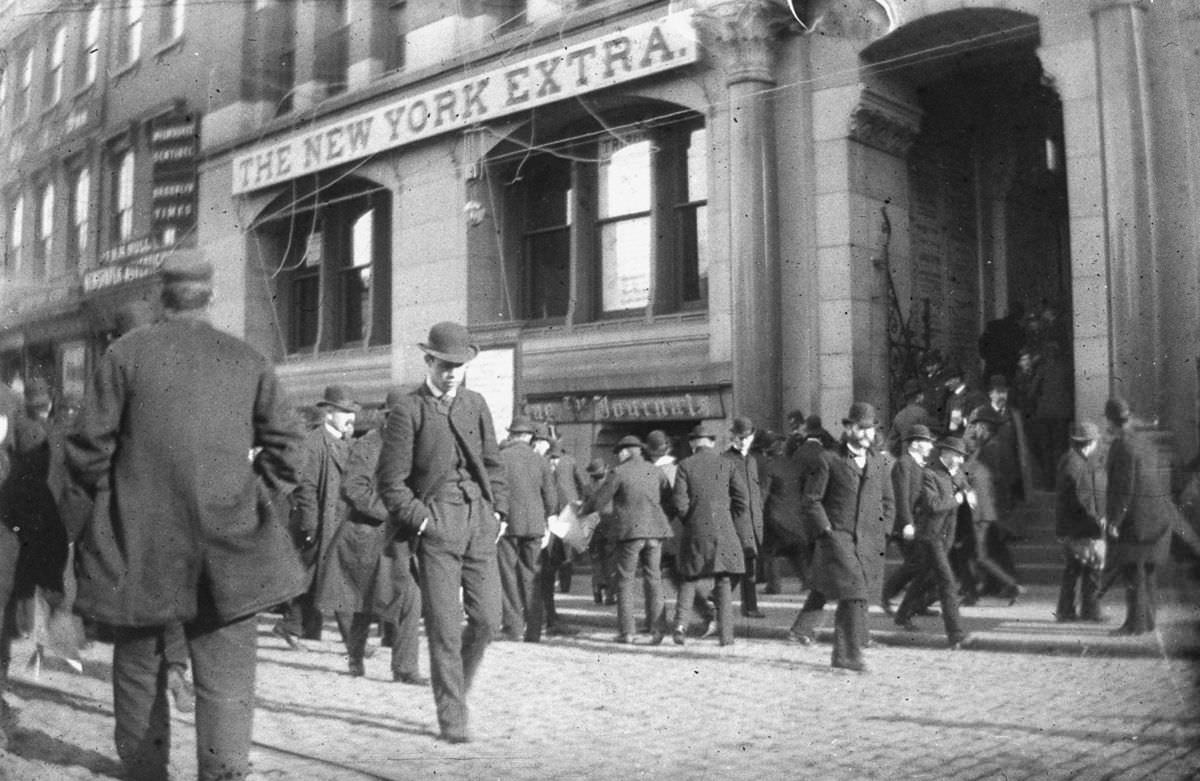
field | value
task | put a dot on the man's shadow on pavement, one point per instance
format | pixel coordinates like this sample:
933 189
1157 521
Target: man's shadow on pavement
36 746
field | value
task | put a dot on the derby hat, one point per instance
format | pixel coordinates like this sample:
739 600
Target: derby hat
918 431
450 342
658 443
953 443
521 424
861 414
596 467
629 440
997 382
1117 410
702 431
1084 431
742 427
339 397
180 270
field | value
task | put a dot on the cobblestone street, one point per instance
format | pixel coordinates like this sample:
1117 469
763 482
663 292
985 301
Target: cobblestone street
584 707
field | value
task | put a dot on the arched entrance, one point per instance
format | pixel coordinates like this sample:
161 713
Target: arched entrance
980 227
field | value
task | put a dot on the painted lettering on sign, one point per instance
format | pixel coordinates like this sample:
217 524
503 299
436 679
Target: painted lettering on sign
600 408
628 54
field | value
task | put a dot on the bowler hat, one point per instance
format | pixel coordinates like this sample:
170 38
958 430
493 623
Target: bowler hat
521 424
861 414
918 431
742 427
339 397
450 342
952 443
813 423
702 430
37 394
658 443
1084 431
597 467
177 270
1117 410
997 382
629 440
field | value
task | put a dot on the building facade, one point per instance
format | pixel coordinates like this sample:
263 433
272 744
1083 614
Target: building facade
650 213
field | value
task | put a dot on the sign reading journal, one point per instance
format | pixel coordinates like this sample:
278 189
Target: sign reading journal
621 56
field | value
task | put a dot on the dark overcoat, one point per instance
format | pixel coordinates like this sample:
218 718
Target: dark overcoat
28 506
416 458
638 491
1139 499
936 512
1080 485
317 504
750 523
168 425
362 571
907 476
710 494
532 495
570 481
783 517
853 509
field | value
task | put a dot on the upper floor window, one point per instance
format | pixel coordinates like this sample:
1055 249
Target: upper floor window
614 226
54 66
131 31
122 196
3 94
397 29
25 88
332 62
80 201
276 22
45 227
16 225
171 21
89 55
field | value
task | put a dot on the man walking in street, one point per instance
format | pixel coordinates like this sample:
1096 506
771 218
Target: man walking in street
850 502
1140 512
317 510
531 501
368 571
750 528
638 491
944 489
1080 523
163 444
441 480
709 495
907 478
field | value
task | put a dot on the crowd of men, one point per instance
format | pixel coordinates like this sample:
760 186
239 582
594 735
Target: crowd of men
194 501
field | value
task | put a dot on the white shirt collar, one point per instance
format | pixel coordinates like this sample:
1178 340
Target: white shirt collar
437 393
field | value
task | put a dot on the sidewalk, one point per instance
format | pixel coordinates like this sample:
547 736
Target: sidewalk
992 625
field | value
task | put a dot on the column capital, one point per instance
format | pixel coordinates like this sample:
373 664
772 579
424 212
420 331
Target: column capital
744 35
885 124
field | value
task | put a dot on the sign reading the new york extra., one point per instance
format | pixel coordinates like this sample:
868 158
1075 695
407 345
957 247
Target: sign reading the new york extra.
632 53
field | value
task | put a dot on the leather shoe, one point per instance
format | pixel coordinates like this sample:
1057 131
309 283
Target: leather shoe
956 643
907 624
357 670
929 612
1065 618
754 614
710 628
1014 593
293 641
412 679
724 642
624 639
857 666
679 636
656 637
561 630
888 608
799 638
454 736
508 636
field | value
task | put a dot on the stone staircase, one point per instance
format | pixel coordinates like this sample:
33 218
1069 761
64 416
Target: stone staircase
1036 553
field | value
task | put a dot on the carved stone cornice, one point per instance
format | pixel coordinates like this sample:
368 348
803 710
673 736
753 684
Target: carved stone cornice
743 35
884 124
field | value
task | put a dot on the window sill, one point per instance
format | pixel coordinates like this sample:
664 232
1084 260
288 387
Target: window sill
127 69
165 49
85 89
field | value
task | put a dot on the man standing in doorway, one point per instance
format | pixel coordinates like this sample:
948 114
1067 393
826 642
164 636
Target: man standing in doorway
164 444
750 527
850 502
441 480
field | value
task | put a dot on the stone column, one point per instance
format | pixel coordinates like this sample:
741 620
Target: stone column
1127 159
743 35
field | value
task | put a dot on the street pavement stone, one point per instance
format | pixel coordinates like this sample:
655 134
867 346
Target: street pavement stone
585 707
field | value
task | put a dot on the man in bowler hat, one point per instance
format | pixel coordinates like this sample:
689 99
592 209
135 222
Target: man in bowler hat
850 504
750 523
1080 485
164 445
441 480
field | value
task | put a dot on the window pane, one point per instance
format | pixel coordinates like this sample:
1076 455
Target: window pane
548 264
46 227
697 166
305 310
91 45
693 244
624 177
625 264
79 209
362 241
356 304
550 203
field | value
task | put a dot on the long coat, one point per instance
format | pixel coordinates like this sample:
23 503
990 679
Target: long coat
169 422
416 458
907 476
360 573
783 518
638 491
570 481
532 495
1080 486
710 494
1139 498
317 504
28 506
937 507
750 523
853 510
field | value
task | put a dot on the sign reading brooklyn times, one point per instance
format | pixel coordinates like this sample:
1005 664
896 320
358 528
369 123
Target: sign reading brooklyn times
173 144
618 57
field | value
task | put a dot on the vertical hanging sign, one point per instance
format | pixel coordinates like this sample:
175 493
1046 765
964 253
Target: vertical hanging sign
173 145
